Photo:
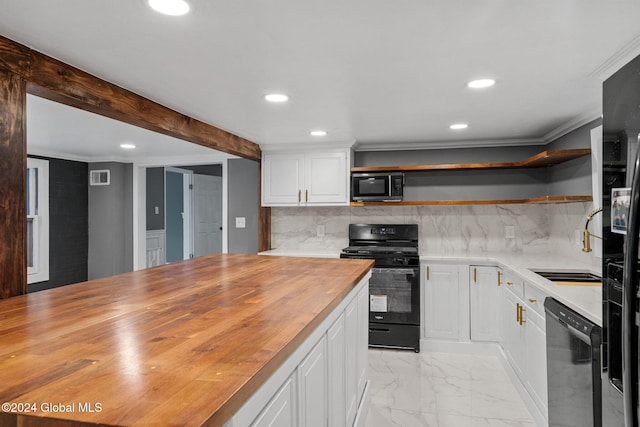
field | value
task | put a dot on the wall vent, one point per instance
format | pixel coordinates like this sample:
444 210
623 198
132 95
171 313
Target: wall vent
100 177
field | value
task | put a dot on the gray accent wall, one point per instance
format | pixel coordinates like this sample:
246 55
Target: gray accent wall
244 185
111 222
569 178
155 198
574 176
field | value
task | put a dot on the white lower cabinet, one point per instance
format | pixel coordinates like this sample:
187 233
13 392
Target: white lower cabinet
513 343
280 411
324 381
483 302
312 385
351 361
337 373
536 372
442 299
498 306
362 349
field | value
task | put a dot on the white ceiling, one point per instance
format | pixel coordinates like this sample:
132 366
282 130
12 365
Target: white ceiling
378 72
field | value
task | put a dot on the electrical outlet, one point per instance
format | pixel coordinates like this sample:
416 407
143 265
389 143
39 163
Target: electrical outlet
241 222
509 232
157 210
320 231
577 238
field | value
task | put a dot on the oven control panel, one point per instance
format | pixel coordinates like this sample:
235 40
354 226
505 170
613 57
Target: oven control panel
385 231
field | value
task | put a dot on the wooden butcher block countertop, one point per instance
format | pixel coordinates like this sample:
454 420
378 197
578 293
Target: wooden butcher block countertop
180 344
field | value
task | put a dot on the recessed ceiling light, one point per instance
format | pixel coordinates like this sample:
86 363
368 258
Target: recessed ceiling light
480 83
458 126
276 97
318 132
170 7
127 146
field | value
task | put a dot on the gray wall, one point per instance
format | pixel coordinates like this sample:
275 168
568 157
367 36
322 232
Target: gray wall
111 222
244 183
155 198
572 177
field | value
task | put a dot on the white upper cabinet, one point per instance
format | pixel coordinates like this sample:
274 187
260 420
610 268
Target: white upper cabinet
314 178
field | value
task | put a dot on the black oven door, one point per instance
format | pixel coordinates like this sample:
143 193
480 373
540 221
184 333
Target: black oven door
394 295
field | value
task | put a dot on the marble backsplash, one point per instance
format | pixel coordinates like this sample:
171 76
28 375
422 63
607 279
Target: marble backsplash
459 230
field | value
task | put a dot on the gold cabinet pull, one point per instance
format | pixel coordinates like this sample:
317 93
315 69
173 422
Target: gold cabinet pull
427 272
522 321
299 196
306 195
518 312
499 278
509 283
533 300
475 275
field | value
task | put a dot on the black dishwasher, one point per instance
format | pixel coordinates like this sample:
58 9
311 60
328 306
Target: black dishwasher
573 368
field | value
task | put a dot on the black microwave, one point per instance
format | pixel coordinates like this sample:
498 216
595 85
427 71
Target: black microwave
376 187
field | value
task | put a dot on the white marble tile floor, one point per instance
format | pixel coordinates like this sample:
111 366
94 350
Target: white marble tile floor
431 389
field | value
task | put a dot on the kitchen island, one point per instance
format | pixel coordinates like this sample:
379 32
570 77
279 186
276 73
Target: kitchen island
208 341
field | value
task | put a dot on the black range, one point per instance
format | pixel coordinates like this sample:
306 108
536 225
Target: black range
394 288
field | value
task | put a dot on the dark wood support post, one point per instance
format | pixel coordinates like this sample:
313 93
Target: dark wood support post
13 165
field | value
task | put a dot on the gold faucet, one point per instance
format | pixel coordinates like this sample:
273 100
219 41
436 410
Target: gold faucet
586 245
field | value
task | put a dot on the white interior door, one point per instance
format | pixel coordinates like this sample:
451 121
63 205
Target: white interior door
208 214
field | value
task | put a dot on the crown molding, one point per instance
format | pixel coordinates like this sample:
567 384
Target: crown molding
572 125
435 145
617 60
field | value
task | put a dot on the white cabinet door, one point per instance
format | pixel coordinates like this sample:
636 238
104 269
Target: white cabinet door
483 294
441 301
312 384
282 179
514 335
336 353
326 178
536 353
280 411
362 352
351 361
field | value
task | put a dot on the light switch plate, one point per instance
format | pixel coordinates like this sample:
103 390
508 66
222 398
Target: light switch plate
241 222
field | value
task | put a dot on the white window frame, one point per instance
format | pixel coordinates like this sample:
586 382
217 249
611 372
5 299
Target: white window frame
40 270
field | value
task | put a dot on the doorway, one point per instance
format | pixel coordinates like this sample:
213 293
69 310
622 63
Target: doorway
178 214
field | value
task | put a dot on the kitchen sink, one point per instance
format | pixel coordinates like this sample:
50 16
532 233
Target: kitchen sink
564 276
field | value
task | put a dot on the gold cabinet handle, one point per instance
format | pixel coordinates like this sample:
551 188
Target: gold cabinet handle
509 283
522 310
427 272
533 300
518 312
499 278
306 195
299 195
475 275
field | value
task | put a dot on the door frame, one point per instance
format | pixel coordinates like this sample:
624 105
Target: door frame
140 202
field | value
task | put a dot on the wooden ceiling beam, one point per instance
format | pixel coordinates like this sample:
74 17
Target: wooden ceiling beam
52 79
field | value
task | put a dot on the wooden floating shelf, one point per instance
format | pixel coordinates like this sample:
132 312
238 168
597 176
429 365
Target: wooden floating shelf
532 200
545 158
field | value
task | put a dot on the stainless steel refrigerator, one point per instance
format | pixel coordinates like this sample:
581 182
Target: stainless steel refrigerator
621 229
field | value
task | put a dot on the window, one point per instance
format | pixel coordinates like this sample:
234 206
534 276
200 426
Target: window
37 220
